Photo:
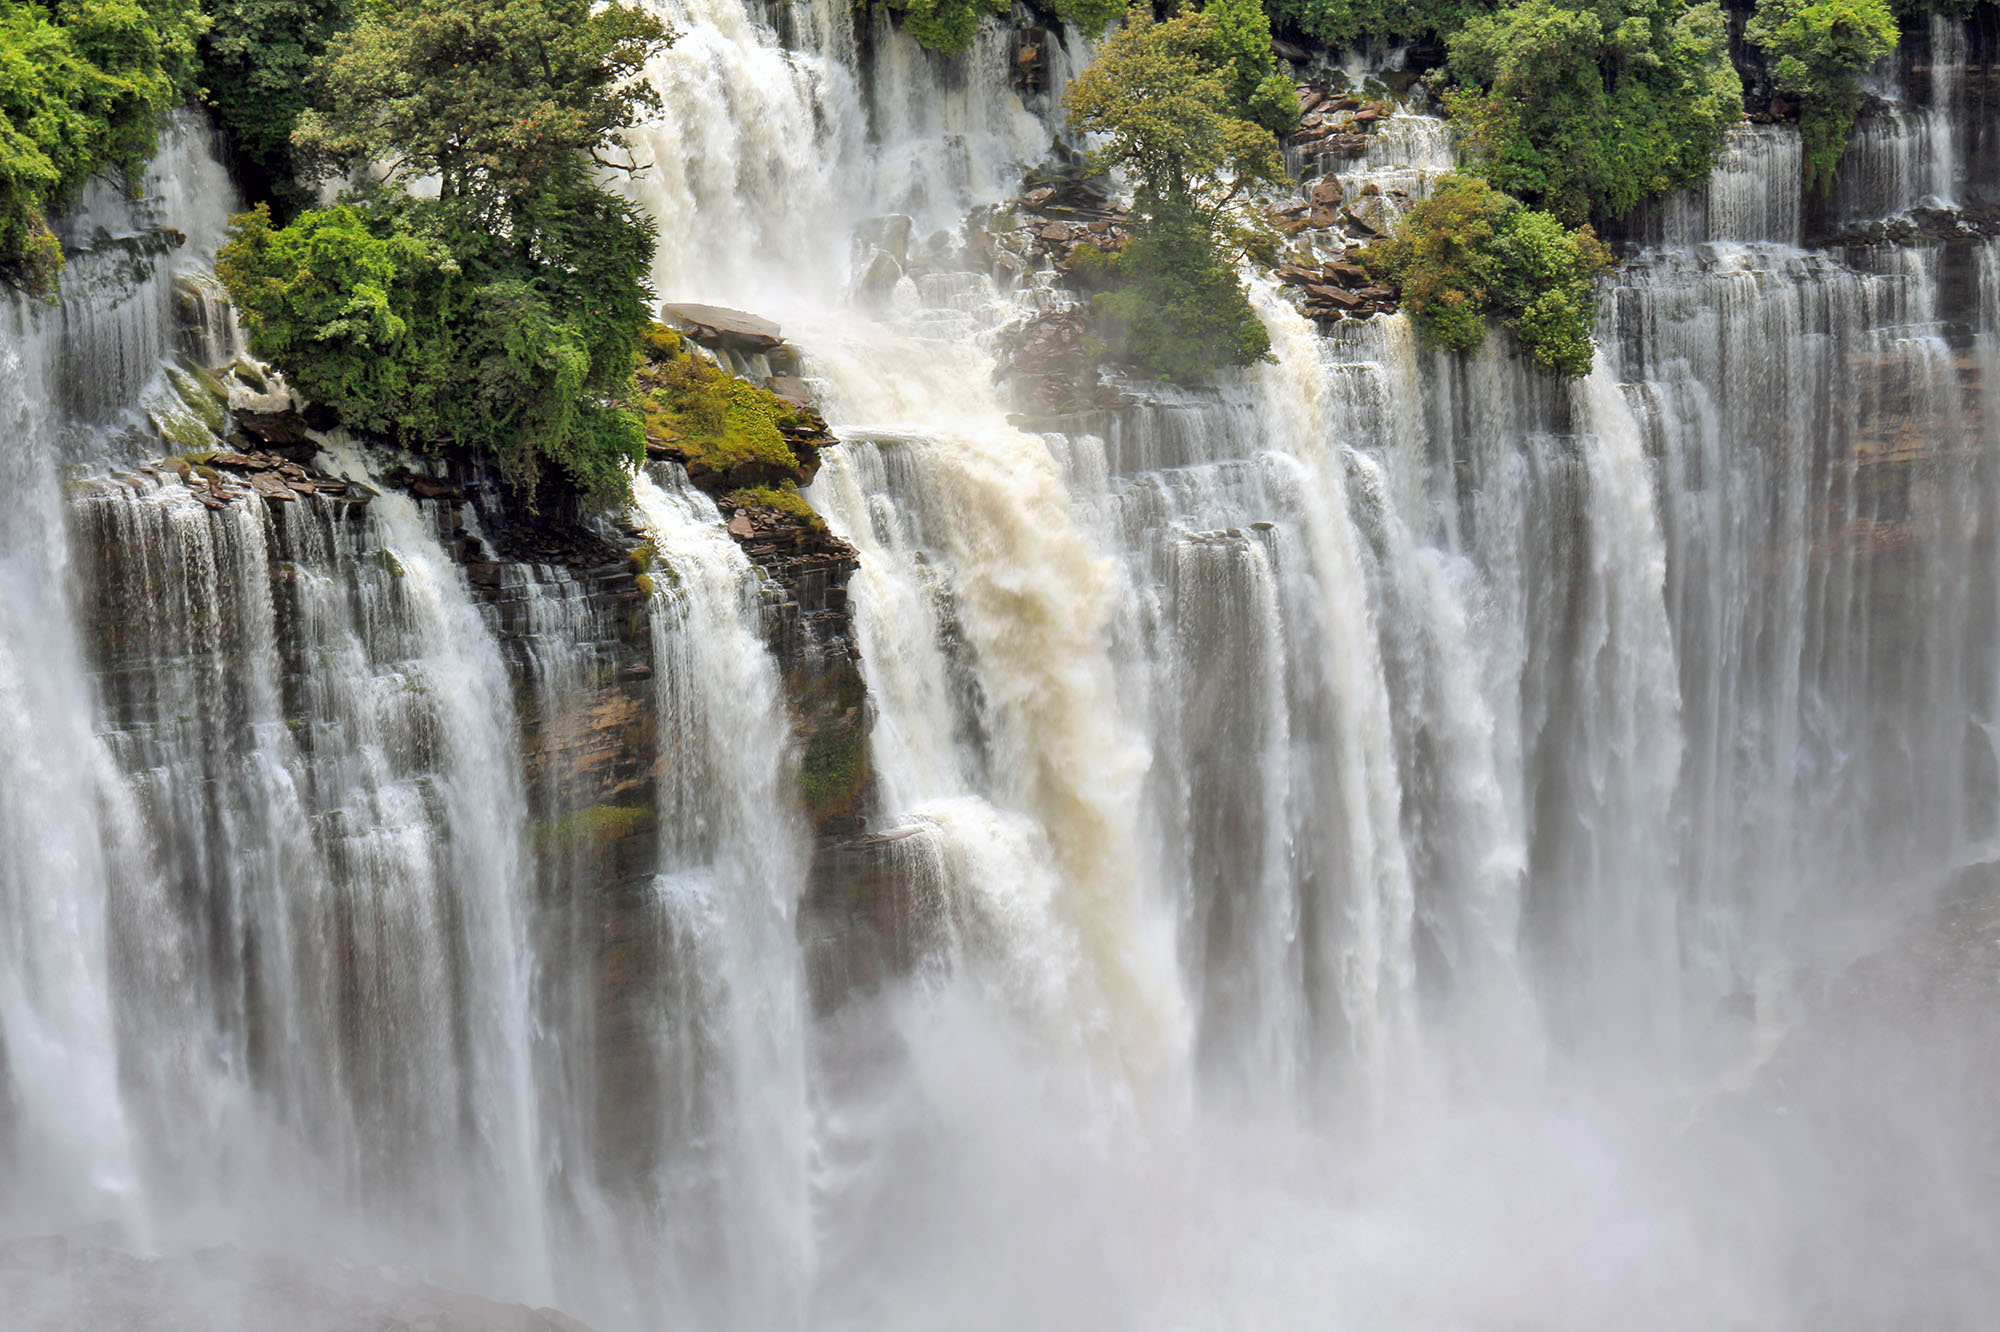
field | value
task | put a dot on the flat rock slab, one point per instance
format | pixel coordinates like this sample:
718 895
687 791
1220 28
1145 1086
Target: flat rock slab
726 327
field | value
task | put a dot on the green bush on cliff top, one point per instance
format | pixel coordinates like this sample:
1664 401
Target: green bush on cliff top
1821 48
1468 251
84 85
1184 108
1584 110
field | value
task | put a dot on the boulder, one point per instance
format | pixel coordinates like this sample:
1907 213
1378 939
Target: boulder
878 281
715 325
1327 192
1370 214
284 428
1346 300
889 233
792 389
269 486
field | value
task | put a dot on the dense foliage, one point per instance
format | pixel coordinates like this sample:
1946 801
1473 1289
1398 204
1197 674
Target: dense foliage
83 87
1174 100
1820 49
1587 109
950 25
1346 22
1469 251
256 58
506 313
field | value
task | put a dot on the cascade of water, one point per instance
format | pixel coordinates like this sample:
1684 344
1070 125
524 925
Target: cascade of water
730 1188
1902 155
331 978
1324 741
988 610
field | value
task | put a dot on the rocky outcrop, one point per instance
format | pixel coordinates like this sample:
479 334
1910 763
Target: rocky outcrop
718 326
1051 364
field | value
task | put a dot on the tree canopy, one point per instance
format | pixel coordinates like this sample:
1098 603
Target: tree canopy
1587 109
498 101
1821 48
84 85
506 313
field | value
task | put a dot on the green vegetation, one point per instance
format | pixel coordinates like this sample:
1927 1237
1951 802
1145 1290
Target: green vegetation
593 830
1469 251
1586 110
1820 49
830 718
784 498
255 60
950 25
1176 101
506 314
83 87
1345 22
707 414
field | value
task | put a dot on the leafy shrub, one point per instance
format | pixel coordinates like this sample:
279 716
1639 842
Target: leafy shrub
506 314
1821 48
1179 310
1586 110
412 322
1469 251
83 87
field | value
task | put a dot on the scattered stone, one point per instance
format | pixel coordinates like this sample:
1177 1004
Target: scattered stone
270 487
1346 300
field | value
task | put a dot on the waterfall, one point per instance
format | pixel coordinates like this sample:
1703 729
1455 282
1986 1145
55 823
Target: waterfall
731 1189
1380 839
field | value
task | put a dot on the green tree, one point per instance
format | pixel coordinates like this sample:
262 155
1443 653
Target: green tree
499 101
1167 98
506 313
1586 110
1340 23
1820 50
1239 44
84 85
1469 251
256 58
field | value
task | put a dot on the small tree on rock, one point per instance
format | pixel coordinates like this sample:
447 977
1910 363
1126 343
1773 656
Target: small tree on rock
1173 100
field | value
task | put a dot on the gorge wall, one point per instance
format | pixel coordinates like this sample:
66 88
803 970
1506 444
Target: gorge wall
1393 838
